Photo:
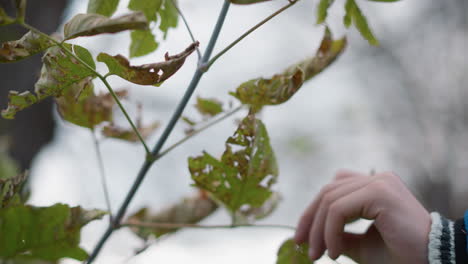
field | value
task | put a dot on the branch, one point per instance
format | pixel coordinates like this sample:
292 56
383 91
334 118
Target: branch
187 26
206 67
102 78
134 223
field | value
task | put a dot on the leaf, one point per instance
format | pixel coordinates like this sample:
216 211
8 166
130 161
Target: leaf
29 45
247 2
384 0
354 15
322 10
114 131
47 233
250 215
291 253
169 16
26 260
102 7
143 43
94 24
241 180
80 106
188 211
4 18
20 9
10 189
281 87
59 71
149 8
209 106
147 74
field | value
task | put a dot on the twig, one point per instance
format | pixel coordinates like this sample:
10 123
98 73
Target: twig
179 225
187 26
102 174
102 78
167 131
205 67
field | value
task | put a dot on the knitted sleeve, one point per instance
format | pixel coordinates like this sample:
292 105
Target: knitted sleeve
447 241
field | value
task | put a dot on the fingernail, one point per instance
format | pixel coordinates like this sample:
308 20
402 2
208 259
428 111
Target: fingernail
311 253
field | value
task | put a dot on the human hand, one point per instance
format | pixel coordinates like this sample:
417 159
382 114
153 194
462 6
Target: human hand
399 234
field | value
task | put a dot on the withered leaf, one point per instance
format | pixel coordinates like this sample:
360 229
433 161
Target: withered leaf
281 87
188 211
147 74
242 179
129 134
94 24
29 45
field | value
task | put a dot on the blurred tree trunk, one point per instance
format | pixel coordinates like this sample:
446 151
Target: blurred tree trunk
34 127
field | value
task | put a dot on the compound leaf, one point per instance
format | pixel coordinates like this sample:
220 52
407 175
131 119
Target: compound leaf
47 233
241 180
188 211
247 2
29 45
102 7
147 74
94 24
143 43
281 87
209 106
291 253
354 15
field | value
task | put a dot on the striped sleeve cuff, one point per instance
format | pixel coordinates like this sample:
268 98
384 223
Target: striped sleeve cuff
441 240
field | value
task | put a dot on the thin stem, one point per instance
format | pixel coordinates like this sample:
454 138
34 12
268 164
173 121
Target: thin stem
187 26
102 78
167 131
178 225
198 131
221 53
102 173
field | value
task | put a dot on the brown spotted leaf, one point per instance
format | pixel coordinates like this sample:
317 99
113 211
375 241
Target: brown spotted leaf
147 74
10 190
29 45
188 211
281 87
242 179
129 134
94 24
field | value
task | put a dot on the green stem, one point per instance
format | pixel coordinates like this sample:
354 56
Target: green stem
187 26
102 78
206 66
179 225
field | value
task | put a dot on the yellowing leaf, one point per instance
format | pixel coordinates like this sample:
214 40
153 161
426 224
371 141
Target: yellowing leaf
143 43
281 87
241 180
30 44
114 131
354 15
291 253
247 2
147 74
102 7
47 233
209 107
94 24
188 211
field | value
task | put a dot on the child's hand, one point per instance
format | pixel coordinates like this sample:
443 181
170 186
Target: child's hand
399 234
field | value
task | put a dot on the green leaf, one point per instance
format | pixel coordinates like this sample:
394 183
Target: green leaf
322 10
102 7
94 24
149 8
17 102
354 15
10 190
281 87
169 16
247 2
4 18
252 214
143 43
26 260
209 106
384 0
147 74
242 179
113 131
47 233
188 211
29 45
291 253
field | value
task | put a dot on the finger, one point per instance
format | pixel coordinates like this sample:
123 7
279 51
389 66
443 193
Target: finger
346 174
357 204
307 217
316 234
